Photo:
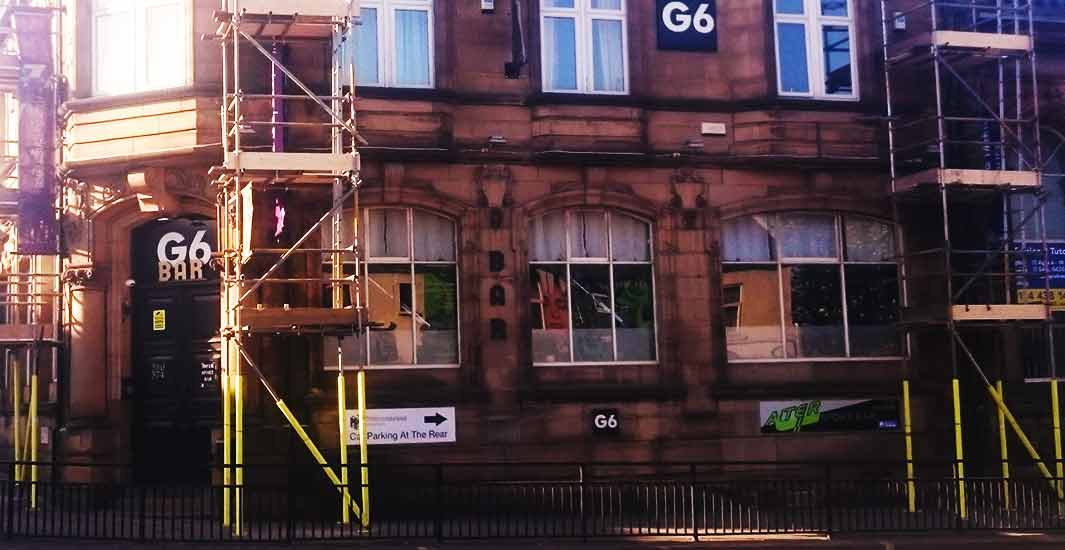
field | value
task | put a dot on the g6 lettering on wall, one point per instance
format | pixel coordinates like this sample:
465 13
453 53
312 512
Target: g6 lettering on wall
687 25
179 261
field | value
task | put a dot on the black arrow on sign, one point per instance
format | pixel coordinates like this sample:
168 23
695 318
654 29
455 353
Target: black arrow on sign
437 419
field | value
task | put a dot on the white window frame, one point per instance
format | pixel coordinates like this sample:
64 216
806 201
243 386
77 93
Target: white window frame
366 260
386 32
583 16
841 261
569 261
812 22
138 39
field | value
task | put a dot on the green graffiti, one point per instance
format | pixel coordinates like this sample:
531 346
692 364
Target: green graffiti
794 418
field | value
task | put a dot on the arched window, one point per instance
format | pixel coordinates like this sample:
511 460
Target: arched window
410 291
802 285
592 288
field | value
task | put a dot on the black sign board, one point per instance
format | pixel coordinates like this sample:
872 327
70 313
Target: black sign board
606 422
687 25
174 251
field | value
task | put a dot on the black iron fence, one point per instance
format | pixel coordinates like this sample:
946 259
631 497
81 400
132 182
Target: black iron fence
288 504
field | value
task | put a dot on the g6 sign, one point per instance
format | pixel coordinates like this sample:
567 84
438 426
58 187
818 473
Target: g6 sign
181 262
687 25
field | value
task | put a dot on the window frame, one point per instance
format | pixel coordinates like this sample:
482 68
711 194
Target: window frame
365 260
583 15
386 33
139 39
780 262
609 262
812 20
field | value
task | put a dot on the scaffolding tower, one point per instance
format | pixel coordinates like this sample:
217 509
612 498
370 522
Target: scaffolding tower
966 164
264 293
30 282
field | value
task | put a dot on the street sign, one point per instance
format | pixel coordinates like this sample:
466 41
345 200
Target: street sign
404 426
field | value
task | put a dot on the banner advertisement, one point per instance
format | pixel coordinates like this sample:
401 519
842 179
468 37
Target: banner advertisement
817 415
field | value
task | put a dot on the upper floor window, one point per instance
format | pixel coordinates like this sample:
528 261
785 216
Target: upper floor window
803 285
393 44
592 288
410 291
584 45
139 45
815 55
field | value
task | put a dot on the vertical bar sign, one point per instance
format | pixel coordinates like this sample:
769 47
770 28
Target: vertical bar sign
38 225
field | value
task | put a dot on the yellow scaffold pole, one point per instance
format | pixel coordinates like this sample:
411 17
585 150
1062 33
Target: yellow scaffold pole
1016 426
34 435
226 446
318 457
1055 403
238 433
1004 450
345 493
907 427
16 399
363 455
959 453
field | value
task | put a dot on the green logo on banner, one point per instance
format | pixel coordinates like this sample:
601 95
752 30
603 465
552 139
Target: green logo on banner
794 418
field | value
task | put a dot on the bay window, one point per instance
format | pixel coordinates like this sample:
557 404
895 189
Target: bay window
392 45
814 285
139 45
410 291
584 46
815 48
592 288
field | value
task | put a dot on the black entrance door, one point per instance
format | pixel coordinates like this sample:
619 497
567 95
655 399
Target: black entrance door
175 353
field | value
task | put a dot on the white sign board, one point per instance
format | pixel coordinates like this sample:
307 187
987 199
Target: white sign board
404 426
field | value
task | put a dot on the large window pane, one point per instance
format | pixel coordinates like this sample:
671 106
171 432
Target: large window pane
608 56
412 48
872 310
437 318
793 7
792 59
114 53
365 47
547 238
560 53
434 238
837 47
635 312
868 240
587 235
550 313
747 239
388 233
592 313
804 235
630 239
756 333
390 314
164 64
813 302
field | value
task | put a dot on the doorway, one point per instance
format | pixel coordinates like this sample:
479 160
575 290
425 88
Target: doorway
174 309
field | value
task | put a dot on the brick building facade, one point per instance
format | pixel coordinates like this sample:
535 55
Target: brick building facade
506 222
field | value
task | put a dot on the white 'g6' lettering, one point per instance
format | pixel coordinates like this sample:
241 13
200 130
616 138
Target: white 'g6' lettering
178 262
603 421
676 19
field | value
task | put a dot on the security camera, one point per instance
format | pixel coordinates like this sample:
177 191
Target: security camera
130 283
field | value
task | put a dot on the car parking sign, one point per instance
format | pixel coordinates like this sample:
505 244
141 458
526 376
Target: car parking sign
687 25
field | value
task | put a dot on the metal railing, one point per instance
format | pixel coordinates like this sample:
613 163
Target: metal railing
290 503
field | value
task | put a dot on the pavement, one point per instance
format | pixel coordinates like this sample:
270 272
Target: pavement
937 541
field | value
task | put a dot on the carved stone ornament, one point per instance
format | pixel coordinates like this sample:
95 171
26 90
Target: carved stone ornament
688 190
495 185
76 275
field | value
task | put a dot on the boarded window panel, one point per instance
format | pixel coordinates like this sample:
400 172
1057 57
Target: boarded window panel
550 313
759 335
392 330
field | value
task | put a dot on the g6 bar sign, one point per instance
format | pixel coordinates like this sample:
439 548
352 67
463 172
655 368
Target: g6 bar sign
687 25
181 261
